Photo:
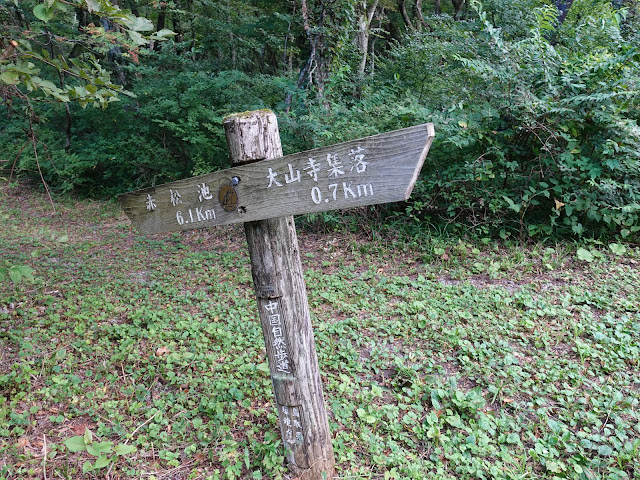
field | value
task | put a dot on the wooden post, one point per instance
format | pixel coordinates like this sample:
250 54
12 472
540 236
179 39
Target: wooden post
284 311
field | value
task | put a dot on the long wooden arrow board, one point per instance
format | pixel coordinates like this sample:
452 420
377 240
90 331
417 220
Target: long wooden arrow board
368 171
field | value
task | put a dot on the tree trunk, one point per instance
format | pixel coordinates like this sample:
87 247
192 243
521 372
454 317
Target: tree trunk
405 16
373 44
420 17
284 312
563 7
160 24
437 8
363 34
457 7
316 68
232 46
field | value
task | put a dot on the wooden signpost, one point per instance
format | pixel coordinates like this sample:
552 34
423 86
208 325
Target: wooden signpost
263 190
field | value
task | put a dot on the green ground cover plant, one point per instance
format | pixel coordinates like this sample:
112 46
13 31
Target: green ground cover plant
142 357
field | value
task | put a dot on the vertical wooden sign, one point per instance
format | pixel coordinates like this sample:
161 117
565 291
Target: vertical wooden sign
284 311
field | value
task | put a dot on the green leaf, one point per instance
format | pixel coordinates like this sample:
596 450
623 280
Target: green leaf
88 436
513 438
136 37
263 367
162 34
141 24
42 12
605 450
555 467
59 96
45 84
577 228
584 255
15 275
618 248
101 462
454 421
102 447
512 205
75 444
10 78
122 449
93 5
87 467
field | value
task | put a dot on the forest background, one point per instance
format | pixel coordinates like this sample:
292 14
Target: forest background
535 103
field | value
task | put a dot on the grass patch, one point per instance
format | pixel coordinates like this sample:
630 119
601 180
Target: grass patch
142 357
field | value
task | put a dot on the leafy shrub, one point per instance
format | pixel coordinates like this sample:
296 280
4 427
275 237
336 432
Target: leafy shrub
534 136
555 140
172 128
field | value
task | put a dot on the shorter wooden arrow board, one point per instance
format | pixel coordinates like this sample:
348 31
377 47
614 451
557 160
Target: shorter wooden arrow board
368 171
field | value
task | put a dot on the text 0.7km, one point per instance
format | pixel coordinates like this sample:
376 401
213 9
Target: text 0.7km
349 190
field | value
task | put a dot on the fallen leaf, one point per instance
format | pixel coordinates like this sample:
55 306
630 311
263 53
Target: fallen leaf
559 204
80 428
162 351
23 442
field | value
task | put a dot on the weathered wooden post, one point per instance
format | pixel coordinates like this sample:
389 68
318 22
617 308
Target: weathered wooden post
262 190
284 311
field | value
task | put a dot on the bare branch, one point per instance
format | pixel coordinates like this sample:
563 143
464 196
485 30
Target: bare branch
9 50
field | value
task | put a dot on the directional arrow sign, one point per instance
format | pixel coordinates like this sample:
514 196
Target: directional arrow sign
372 170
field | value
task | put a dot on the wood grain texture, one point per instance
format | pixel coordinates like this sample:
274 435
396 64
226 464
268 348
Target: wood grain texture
286 322
368 171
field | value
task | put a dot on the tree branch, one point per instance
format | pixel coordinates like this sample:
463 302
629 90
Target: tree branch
9 50
405 15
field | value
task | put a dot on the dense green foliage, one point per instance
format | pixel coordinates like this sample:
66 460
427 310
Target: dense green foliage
536 115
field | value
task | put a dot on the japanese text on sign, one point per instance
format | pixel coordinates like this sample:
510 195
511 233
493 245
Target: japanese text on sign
291 421
192 215
281 349
333 168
